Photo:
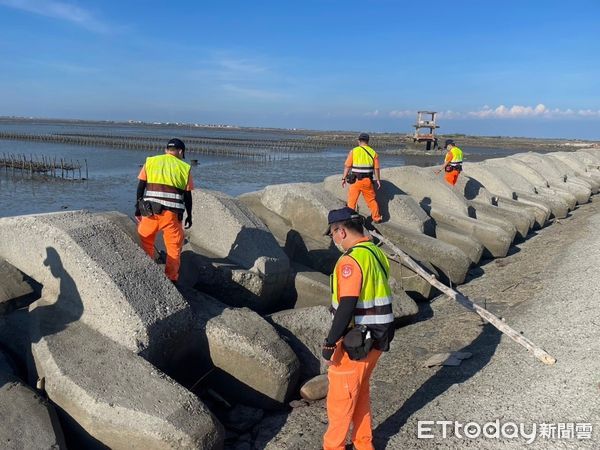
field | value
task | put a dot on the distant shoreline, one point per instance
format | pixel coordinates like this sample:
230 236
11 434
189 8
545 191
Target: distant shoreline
397 143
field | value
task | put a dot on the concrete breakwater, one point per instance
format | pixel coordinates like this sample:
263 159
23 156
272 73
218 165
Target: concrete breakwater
92 333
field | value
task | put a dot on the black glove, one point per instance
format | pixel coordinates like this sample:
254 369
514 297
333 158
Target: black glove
188 222
327 351
137 211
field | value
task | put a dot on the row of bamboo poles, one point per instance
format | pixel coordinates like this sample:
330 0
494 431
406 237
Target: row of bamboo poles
260 148
44 165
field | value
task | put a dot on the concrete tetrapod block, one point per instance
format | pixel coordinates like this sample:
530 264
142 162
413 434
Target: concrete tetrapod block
433 192
307 287
316 250
304 205
28 421
304 329
100 276
496 182
558 199
553 169
15 291
427 188
229 229
447 258
577 170
117 397
469 246
394 204
580 193
256 366
495 240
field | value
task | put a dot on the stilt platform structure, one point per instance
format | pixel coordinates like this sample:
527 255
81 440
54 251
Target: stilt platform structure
425 129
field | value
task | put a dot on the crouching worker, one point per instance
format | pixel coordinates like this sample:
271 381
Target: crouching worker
164 191
362 328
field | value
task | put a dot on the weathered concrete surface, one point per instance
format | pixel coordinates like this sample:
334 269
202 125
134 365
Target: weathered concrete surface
592 164
116 396
307 245
229 229
497 183
553 169
28 421
577 169
540 183
15 291
394 204
445 205
307 287
560 200
447 258
469 246
98 274
304 330
495 240
304 205
593 152
227 281
257 366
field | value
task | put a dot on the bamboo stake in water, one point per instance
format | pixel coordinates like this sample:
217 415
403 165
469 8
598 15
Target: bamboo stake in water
460 298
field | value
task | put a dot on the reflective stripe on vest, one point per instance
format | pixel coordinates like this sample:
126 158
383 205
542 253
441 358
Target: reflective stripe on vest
167 177
457 155
374 306
361 161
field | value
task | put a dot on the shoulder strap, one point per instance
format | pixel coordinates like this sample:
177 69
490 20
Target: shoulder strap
370 156
374 256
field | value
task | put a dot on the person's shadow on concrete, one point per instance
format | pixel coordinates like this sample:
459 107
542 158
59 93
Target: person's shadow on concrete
482 348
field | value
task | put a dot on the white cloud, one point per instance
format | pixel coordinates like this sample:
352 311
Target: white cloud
403 113
59 10
372 113
518 111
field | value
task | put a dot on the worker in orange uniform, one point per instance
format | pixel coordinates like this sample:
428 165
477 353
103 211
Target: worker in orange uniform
164 191
452 162
362 162
361 303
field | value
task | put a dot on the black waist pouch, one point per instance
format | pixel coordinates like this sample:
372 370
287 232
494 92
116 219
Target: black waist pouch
351 178
148 208
358 342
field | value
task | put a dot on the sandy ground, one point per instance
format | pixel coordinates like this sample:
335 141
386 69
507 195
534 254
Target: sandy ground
546 288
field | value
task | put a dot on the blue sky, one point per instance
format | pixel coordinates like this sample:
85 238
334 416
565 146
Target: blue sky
526 68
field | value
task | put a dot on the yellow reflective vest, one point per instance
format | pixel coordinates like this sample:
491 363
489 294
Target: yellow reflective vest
363 159
457 155
374 305
167 177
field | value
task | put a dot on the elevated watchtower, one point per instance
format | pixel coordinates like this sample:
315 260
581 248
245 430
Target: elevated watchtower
425 128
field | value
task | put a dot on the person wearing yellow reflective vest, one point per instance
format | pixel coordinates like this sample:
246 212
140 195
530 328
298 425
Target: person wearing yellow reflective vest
164 192
361 296
452 162
362 164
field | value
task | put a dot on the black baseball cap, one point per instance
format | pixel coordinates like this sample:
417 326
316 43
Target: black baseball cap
340 215
176 143
449 142
363 137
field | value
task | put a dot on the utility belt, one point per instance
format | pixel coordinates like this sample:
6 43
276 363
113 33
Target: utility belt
149 208
454 166
360 176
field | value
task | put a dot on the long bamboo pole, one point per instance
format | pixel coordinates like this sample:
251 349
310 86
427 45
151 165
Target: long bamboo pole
464 301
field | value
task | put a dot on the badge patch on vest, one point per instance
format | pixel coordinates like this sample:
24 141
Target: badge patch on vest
346 270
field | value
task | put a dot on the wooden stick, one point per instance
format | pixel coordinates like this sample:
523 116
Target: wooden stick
460 298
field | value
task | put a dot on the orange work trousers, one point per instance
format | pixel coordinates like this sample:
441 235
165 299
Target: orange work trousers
364 186
348 400
169 223
452 177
